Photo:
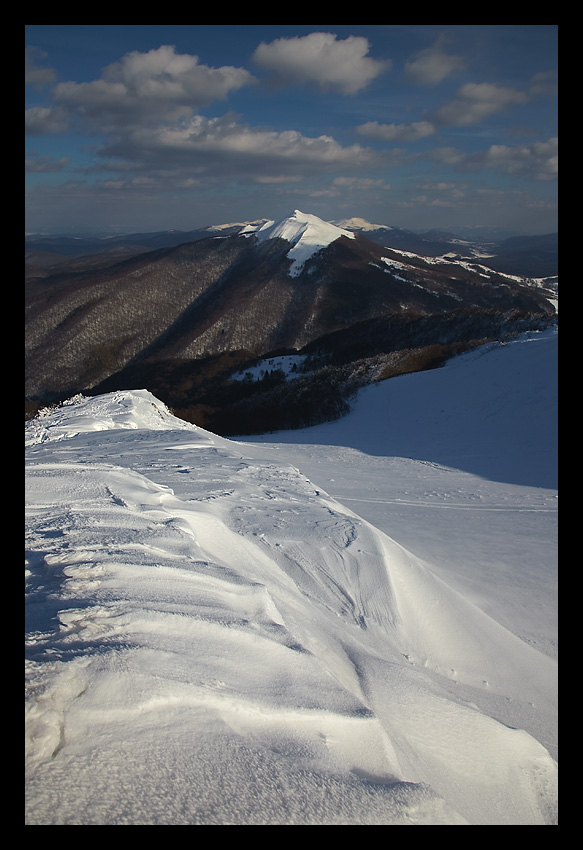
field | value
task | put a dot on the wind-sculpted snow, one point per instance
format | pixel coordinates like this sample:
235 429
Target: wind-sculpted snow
213 639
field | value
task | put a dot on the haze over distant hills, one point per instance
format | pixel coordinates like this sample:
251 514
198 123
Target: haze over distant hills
179 312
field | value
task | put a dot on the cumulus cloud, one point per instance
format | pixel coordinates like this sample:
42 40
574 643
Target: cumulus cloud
207 140
223 148
474 102
321 59
45 164
452 190
41 120
539 160
396 132
35 74
545 83
429 67
160 85
360 183
447 155
341 187
277 178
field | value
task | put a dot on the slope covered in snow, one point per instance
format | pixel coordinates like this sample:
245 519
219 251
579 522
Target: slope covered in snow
356 223
213 637
458 464
307 233
492 411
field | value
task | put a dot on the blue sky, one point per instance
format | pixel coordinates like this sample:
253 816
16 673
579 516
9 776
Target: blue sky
153 127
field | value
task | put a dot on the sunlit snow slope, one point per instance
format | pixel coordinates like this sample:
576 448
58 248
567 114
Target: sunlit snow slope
213 639
307 234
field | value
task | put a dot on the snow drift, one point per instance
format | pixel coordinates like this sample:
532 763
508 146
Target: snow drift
212 638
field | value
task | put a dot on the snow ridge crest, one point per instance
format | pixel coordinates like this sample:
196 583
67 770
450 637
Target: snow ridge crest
307 233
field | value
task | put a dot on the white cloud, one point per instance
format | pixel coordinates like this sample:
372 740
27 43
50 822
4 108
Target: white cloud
452 190
41 120
45 164
396 132
224 145
476 101
545 83
34 74
365 183
540 160
277 178
447 155
147 88
429 67
321 59
162 74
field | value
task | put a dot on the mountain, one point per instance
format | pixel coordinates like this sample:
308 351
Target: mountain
526 256
307 234
179 319
46 254
351 625
535 256
429 244
79 246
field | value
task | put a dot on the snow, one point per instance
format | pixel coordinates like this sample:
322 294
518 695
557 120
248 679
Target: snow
356 223
289 364
307 233
469 265
352 624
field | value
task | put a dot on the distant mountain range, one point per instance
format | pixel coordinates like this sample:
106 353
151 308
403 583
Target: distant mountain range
530 256
178 312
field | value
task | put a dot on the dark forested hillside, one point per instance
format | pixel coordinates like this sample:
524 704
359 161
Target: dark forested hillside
178 320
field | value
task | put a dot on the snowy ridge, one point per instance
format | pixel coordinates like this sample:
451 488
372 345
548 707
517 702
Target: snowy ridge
212 638
135 409
551 284
307 233
234 224
356 223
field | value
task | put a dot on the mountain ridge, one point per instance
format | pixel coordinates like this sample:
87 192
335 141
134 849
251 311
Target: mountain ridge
215 302
46 251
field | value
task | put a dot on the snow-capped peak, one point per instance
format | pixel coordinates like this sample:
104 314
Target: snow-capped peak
307 233
356 223
245 225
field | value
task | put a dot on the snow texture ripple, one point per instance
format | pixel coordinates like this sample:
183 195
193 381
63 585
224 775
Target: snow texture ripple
215 639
